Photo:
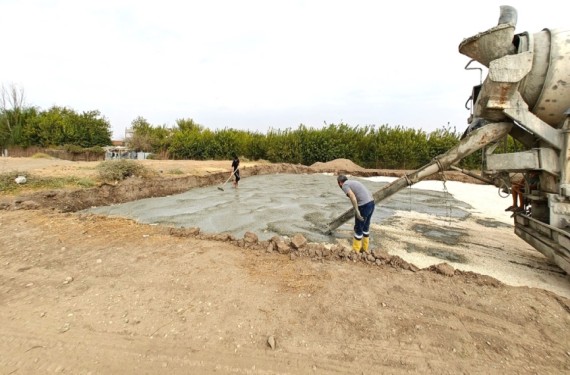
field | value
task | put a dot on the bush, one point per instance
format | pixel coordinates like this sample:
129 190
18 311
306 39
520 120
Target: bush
73 149
41 155
98 150
117 170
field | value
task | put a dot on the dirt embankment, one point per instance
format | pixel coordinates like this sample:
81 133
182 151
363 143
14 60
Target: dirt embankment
189 174
87 294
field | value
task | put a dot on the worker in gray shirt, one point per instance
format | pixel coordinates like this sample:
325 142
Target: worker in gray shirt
363 204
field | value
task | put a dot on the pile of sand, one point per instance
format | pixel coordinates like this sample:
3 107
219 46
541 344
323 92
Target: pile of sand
337 165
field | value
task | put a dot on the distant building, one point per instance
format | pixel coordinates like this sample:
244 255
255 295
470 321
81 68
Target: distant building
119 152
128 134
120 149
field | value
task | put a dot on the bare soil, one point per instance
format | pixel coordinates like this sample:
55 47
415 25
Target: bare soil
83 294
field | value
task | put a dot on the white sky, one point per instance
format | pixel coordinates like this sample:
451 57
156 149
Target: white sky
254 65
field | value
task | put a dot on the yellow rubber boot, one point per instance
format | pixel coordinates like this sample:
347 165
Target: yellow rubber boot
365 243
356 245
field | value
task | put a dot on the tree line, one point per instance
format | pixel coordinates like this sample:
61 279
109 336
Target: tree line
26 126
384 146
379 147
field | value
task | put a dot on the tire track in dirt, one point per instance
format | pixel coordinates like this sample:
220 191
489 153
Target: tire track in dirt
81 353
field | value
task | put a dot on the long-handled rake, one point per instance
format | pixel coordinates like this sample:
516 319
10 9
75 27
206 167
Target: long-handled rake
220 187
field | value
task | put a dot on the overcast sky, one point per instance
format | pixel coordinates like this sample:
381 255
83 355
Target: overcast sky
254 65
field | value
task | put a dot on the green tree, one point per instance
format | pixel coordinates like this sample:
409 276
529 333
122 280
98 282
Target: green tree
60 126
88 129
47 129
141 138
12 115
255 146
188 125
226 143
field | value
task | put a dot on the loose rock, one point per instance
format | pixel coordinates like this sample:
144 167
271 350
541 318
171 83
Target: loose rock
271 342
444 269
298 241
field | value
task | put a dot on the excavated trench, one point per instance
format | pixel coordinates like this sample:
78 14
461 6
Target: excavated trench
416 228
280 204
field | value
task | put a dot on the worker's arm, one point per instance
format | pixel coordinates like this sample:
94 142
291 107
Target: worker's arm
352 197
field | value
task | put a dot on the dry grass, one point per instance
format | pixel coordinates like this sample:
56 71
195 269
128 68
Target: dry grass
8 184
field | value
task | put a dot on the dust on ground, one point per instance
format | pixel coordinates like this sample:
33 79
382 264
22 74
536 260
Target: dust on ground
88 294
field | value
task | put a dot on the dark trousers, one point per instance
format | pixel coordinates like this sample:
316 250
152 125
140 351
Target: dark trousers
362 228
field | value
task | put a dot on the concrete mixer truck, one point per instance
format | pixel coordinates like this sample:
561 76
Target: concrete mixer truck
525 95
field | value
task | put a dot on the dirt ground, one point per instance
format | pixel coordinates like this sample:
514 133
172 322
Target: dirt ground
81 294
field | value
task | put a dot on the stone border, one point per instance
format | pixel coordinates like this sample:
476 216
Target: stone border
298 246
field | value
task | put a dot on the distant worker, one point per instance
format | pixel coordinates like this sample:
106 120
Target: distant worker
518 190
235 170
363 204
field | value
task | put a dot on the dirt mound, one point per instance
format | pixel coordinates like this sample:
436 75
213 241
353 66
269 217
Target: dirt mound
337 165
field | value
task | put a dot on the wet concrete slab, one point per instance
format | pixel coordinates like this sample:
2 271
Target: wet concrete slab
461 224
281 204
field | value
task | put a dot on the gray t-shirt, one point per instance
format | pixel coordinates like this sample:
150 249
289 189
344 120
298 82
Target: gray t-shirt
361 193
